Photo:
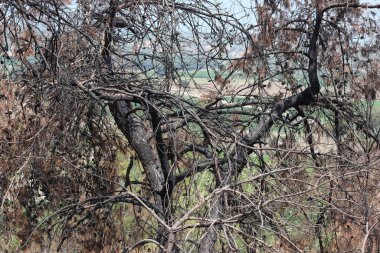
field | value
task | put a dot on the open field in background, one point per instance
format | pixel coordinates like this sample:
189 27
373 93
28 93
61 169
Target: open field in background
239 87
203 83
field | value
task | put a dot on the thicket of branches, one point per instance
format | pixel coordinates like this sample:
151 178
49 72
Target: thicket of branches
189 126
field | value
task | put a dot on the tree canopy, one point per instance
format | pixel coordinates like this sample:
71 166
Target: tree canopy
189 126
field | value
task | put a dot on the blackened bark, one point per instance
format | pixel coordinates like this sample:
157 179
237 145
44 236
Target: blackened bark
162 150
132 127
168 186
303 98
253 136
208 241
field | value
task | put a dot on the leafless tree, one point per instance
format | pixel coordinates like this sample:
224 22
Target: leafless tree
190 126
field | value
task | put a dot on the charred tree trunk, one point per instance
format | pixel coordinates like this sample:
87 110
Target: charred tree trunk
207 243
152 155
133 129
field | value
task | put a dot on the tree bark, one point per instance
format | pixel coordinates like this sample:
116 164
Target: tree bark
207 243
132 127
